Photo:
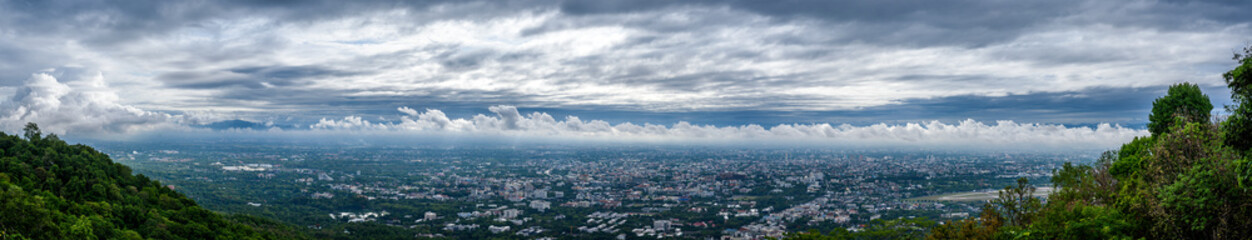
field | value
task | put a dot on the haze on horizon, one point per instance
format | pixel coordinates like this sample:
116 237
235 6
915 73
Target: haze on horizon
1012 74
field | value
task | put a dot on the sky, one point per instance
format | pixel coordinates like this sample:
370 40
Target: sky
1063 73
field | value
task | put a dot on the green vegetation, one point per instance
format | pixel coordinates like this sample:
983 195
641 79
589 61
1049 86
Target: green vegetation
1184 101
1191 179
1238 127
53 190
879 229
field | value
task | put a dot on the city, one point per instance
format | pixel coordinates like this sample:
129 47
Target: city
576 192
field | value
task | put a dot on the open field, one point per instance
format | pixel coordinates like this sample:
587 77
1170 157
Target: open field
977 195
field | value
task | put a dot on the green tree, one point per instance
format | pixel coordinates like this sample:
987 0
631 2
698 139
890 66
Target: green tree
986 226
1190 188
1018 203
31 131
1238 126
1185 101
52 190
878 229
1129 160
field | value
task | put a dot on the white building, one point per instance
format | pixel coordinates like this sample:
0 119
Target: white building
498 229
540 205
661 225
510 213
430 216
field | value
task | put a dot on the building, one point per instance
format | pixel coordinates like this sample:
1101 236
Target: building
540 205
430 216
510 213
661 225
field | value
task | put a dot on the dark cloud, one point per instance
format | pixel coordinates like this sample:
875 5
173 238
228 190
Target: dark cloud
969 23
465 60
911 22
989 14
284 75
252 77
1126 106
107 23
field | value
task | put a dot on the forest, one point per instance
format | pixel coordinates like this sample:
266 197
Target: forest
52 190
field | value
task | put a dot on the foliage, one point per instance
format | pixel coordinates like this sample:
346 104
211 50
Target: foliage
1081 207
985 226
1195 190
1238 126
1130 158
1184 101
903 228
1018 204
1189 180
1180 184
53 190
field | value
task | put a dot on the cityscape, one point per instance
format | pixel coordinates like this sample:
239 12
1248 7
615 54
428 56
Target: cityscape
560 192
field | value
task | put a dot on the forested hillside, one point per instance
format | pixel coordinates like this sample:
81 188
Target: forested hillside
1190 179
53 190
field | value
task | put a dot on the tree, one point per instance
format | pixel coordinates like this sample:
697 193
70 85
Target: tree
1238 127
1185 101
984 227
1018 204
878 229
32 132
1190 190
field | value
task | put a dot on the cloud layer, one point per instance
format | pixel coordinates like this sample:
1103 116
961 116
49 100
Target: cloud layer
289 65
262 57
88 107
508 121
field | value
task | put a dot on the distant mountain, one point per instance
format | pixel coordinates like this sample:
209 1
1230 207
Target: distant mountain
53 190
236 124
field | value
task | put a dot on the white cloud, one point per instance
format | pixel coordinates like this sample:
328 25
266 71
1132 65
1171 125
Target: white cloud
82 107
348 123
507 121
90 107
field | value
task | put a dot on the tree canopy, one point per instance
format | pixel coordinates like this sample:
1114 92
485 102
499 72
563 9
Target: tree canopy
1184 102
53 190
1238 126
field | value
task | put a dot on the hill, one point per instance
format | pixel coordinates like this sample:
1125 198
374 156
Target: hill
53 190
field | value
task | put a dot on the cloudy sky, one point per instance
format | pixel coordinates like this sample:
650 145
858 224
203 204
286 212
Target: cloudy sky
1058 71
